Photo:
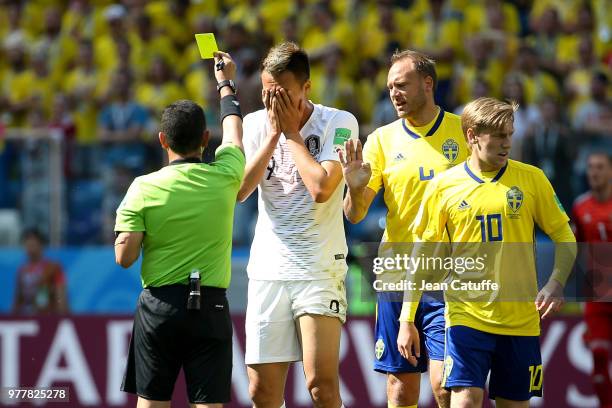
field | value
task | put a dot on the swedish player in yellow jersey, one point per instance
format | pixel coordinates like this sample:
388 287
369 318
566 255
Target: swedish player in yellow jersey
490 205
401 158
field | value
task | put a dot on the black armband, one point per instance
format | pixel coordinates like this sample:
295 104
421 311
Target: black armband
230 106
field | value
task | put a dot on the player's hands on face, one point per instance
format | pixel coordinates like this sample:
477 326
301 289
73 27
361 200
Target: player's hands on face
289 111
267 97
550 298
408 342
356 172
229 70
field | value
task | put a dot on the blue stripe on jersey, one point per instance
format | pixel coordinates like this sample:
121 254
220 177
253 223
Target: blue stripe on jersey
433 129
478 179
500 174
472 175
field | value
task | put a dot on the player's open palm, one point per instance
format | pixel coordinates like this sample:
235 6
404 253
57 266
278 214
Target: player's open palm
356 172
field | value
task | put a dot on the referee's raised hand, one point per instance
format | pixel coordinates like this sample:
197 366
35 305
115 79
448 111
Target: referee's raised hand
228 66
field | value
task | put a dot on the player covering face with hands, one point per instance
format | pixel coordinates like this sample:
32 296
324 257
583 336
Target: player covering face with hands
297 264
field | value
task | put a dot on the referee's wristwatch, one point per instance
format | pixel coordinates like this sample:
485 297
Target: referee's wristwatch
227 82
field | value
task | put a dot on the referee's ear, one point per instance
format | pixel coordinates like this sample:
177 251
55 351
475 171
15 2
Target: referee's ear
205 137
163 141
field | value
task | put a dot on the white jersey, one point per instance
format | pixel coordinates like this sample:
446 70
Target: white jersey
295 237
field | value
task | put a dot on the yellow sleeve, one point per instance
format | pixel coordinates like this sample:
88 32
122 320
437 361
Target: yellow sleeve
429 224
565 253
549 213
373 154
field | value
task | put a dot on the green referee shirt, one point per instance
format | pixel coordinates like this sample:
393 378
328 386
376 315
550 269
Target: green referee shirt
186 212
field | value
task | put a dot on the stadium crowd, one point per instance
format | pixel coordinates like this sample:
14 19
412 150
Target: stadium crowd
101 72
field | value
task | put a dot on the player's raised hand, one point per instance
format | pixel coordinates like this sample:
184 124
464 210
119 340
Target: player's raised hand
271 104
289 111
549 298
408 342
229 67
356 172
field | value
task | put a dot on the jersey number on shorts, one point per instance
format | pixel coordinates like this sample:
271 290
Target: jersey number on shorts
535 373
334 305
490 227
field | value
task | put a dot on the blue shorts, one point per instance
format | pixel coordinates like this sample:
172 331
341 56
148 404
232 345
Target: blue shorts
514 361
429 321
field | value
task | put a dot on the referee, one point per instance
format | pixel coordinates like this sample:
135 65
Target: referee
181 217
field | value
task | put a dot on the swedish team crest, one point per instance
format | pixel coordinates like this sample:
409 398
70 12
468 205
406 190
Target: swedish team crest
450 150
379 348
514 197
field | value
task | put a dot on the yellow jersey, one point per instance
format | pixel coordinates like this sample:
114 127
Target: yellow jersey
498 210
404 158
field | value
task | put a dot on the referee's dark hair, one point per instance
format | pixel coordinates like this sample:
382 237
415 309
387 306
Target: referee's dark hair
287 56
183 123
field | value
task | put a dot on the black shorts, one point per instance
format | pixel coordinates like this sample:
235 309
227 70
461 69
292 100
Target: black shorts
166 336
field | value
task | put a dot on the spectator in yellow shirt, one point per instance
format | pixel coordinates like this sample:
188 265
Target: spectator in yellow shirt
326 32
105 47
329 87
160 89
535 81
85 87
545 40
147 43
577 84
439 36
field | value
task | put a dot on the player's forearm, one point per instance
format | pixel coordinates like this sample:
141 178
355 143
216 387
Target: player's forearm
355 206
232 131
315 177
232 124
416 278
256 170
565 253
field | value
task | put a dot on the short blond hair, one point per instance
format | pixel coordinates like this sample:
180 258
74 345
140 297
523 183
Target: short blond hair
487 114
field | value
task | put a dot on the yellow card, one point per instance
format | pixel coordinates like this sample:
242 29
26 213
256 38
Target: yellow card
206 44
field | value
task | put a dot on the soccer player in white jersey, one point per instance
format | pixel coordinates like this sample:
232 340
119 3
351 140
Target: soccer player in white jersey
297 265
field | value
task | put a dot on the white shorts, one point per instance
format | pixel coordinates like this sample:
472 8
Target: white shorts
272 311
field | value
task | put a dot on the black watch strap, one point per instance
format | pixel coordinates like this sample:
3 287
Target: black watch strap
226 82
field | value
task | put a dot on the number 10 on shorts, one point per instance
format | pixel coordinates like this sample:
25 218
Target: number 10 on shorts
535 374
